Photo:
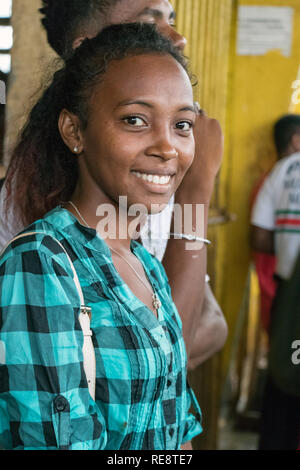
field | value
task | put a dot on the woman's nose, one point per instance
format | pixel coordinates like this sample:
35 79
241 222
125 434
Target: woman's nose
163 150
168 154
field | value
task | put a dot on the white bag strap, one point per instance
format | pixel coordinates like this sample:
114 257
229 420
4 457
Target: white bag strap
89 360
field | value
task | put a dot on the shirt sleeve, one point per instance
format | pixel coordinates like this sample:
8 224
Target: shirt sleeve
193 425
44 398
263 212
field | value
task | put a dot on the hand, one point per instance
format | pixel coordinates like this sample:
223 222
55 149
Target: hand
186 446
207 161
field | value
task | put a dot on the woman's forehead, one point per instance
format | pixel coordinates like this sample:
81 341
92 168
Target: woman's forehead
159 77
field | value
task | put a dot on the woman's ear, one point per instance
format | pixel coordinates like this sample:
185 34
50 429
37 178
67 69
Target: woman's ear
69 128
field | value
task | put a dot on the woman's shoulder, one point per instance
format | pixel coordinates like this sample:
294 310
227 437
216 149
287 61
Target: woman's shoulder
36 237
41 241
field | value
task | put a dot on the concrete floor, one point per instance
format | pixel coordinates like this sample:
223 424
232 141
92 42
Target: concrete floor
231 438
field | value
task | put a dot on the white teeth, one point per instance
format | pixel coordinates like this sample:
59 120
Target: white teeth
156 179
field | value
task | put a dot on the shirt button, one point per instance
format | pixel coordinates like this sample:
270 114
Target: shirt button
60 403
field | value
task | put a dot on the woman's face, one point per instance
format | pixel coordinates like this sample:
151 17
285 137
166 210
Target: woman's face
139 139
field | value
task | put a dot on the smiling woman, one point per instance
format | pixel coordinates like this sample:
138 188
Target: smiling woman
88 142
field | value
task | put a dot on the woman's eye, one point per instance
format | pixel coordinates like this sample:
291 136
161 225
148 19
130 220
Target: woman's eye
134 121
184 125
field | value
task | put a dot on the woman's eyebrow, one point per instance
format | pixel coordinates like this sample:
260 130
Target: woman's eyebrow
188 108
129 102
149 105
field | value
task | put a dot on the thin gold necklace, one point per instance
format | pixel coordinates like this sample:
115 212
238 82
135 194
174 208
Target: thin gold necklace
155 299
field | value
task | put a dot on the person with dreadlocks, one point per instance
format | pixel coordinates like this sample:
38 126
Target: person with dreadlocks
67 23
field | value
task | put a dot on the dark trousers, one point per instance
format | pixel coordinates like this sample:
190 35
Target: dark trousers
280 413
280 419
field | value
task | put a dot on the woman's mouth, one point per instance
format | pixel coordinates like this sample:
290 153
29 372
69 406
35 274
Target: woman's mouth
159 184
156 179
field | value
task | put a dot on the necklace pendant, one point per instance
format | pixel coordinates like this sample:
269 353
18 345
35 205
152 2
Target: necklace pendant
156 301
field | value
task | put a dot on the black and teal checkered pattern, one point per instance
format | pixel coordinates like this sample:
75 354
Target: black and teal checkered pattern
142 397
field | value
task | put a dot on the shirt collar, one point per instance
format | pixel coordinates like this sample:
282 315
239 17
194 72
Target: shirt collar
67 224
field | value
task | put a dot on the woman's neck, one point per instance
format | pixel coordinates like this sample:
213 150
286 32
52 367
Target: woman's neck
108 218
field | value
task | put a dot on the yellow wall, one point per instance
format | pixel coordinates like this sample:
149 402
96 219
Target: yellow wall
260 92
207 26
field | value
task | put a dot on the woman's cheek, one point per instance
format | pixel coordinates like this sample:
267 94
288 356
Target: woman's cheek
180 177
188 151
188 158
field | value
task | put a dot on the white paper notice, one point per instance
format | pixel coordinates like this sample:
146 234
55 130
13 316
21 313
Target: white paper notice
262 29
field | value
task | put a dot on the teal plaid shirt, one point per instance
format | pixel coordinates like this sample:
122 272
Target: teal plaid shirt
142 397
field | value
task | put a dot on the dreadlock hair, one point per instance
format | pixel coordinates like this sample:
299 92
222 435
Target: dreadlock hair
284 129
64 19
43 172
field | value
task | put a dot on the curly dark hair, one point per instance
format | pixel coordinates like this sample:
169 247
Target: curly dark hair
43 171
63 20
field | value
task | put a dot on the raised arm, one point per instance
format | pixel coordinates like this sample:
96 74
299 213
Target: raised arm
186 269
